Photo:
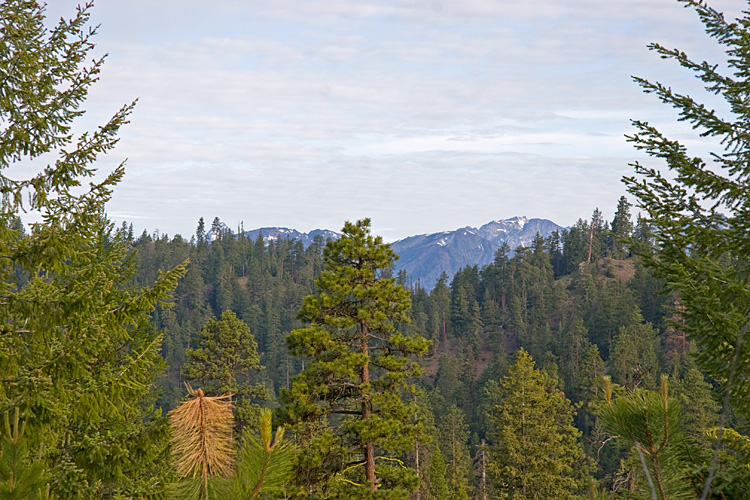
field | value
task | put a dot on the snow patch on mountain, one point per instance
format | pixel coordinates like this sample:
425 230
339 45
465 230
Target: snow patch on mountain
281 233
425 257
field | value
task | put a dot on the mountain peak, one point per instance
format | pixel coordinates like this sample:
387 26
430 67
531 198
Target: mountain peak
277 233
426 257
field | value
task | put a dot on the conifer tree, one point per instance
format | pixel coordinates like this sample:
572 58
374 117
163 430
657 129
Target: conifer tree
454 434
423 444
634 358
480 471
436 474
649 422
21 476
440 299
700 410
351 390
622 228
224 360
78 355
591 369
697 212
202 445
264 461
573 350
535 451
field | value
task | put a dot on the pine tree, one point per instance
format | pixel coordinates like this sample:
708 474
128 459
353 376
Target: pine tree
79 357
420 458
649 422
448 382
454 434
204 457
264 463
224 360
351 390
21 475
480 472
634 358
436 476
535 451
622 228
697 213
596 231
440 298
572 344
202 445
200 232
700 410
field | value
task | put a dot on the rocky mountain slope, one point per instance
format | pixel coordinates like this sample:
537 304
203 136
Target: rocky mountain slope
425 257
276 233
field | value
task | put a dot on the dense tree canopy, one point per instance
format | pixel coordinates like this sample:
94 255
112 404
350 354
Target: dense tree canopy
535 448
698 215
82 307
78 354
358 366
223 362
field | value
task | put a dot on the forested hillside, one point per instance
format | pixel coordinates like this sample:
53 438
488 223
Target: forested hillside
605 361
577 302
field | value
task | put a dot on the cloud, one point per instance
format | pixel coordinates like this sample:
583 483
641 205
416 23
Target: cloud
306 113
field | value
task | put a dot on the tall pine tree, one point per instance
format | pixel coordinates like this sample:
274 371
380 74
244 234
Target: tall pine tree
224 360
535 451
351 392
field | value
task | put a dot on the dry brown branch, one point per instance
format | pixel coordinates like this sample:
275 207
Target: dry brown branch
202 436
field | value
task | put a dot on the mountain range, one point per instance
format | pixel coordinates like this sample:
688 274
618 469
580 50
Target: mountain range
426 257
276 233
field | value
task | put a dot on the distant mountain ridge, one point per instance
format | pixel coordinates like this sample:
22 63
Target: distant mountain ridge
426 256
280 233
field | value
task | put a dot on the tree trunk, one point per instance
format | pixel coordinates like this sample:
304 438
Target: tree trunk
445 337
368 448
483 481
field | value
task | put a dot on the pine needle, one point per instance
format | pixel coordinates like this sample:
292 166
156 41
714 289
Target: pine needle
202 436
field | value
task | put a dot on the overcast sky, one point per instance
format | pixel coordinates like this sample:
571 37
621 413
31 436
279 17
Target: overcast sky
423 115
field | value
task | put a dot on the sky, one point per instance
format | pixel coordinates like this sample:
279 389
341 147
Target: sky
423 115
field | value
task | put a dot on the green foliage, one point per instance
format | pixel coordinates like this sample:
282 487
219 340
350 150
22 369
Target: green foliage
622 228
534 450
700 410
436 472
649 421
78 356
267 283
351 393
424 443
223 361
21 476
698 214
453 432
634 355
203 453
733 477
264 465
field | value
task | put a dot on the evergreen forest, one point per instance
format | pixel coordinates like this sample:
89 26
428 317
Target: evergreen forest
604 361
